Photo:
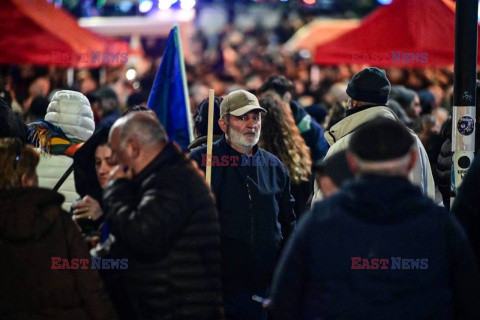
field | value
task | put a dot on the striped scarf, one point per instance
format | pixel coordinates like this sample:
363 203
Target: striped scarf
51 139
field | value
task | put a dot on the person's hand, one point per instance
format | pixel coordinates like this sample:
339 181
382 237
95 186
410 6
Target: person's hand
120 172
88 208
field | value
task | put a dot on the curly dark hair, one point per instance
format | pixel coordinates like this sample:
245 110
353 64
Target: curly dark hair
281 137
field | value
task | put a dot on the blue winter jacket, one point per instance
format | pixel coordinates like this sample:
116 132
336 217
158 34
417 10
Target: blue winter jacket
255 211
332 267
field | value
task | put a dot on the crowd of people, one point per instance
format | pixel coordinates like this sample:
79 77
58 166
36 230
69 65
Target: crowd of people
376 241
329 195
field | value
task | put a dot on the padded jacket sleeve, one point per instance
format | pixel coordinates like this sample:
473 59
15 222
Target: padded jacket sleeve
147 225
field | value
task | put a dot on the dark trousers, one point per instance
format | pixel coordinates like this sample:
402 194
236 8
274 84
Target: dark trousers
240 306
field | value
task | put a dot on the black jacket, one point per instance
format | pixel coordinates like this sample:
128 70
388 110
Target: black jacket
466 206
377 218
256 213
33 230
201 142
164 221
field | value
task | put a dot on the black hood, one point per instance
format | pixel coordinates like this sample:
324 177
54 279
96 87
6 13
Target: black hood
86 181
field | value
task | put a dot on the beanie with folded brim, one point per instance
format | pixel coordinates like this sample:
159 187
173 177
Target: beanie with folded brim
369 85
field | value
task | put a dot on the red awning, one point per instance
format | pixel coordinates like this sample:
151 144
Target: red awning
406 33
318 32
36 32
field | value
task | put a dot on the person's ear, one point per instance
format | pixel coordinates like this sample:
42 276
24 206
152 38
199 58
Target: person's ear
28 180
133 148
413 160
352 163
328 187
222 122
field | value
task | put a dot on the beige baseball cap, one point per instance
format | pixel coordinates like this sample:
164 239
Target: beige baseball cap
238 103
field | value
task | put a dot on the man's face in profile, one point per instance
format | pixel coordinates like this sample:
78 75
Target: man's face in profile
119 155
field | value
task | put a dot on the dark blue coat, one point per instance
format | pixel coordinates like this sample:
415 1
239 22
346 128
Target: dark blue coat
320 275
256 213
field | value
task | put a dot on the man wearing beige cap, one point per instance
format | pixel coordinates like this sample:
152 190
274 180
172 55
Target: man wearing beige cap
255 206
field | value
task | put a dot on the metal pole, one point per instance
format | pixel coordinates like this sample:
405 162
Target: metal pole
464 91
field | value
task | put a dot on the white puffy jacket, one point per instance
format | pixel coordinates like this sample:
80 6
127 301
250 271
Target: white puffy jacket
339 135
50 169
71 111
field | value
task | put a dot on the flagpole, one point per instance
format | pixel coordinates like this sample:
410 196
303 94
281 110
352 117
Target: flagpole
178 42
211 97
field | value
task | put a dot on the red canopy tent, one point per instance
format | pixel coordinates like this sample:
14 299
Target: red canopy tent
318 32
35 32
406 33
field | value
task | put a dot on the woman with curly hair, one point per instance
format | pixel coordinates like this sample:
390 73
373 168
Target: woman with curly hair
281 137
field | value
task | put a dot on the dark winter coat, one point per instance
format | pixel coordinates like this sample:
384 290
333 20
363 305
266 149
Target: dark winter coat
443 169
33 229
201 142
311 131
164 221
377 218
466 206
256 213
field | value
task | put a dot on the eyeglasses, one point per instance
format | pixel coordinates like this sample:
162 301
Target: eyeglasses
18 145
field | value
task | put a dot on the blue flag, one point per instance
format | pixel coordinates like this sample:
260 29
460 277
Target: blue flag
169 95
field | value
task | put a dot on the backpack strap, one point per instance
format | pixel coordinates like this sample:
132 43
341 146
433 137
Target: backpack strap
63 178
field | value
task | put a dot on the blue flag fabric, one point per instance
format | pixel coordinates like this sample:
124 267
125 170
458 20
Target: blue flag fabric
169 95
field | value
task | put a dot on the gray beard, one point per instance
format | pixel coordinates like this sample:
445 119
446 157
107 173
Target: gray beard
239 139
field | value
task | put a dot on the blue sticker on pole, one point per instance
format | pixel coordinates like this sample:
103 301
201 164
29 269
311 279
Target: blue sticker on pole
465 125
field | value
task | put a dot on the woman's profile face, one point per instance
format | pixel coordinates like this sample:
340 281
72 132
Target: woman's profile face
102 168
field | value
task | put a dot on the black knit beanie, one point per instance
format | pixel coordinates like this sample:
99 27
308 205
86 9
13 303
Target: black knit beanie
369 85
381 139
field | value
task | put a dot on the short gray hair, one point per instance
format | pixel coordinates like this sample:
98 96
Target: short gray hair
143 128
390 168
